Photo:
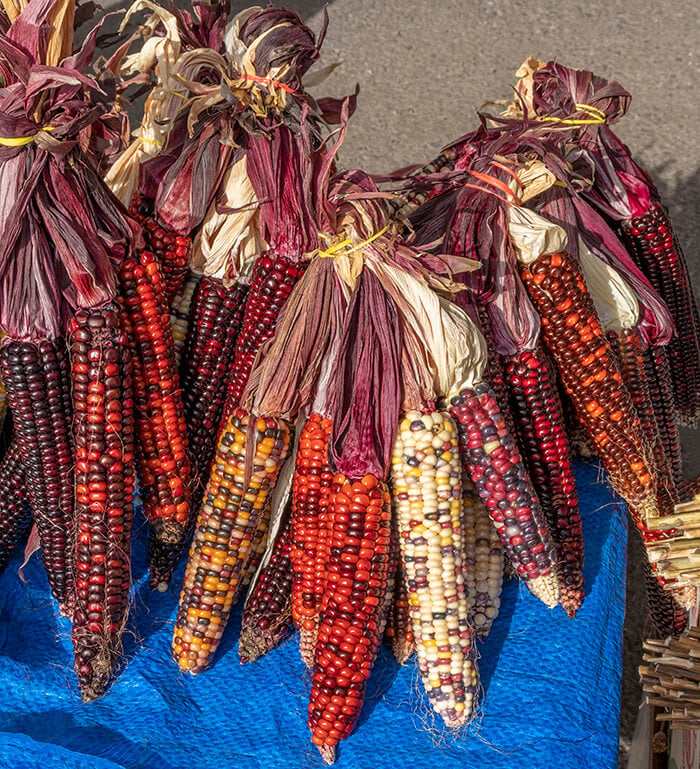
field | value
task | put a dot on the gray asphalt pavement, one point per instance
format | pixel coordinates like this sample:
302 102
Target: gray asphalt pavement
426 67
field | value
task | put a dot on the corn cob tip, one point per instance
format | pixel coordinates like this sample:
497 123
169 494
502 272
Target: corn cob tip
162 587
546 588
402 651
249 650
571 602
328 754
307 646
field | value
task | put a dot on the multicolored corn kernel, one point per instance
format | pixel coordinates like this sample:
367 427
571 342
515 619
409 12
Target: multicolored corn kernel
541 430
350 628
399 628
163 463
180 314
267 617
37 379
15 509
574 336
427 485
103 433
245 468
483 561
273 279
492 461
658 254
311 494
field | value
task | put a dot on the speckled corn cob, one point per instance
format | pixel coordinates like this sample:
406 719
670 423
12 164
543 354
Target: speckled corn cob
427 484
491 459
180 314
483 561
245 468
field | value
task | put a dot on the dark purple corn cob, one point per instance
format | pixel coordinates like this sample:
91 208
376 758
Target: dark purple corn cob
15 510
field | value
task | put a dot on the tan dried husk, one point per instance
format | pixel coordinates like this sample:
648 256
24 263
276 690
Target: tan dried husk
524 88
615 302
532 235
167 97
229 241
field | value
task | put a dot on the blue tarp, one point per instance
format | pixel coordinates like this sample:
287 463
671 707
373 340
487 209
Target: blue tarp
551 686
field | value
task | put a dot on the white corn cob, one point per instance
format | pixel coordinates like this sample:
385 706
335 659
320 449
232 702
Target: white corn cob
427 480
483 561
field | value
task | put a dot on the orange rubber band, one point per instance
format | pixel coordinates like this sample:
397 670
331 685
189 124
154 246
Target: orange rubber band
266 81
497 183
487 191
508 171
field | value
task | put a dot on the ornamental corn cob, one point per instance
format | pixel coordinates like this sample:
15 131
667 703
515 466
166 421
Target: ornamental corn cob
483 561
103 432
180 314
627 348
427 483
491 459
15 510
539 421
258 547
38 387
247 461
273 279
494 373
172 252
267 617
163 464
215 320
658 254
311 494
399 628
3 404
349 633
668 616
573 333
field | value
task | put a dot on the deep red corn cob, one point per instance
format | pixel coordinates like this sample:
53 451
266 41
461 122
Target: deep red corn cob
38 387
668 616
103 432
171 251
311 494
163 464
247 461
215 321
273 279
349 633
629 353
267 616
15 510
572 332
658 254
491 459
657 369
540 427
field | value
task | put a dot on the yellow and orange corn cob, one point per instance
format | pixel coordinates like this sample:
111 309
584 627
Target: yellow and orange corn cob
658 254
427 485
311 493
38 388
573 334
163 464
483 561
247 461
15 510
103 432
350 628
492 461
540 427
267 616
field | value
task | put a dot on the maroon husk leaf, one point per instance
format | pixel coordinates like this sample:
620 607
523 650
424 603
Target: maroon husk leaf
366 382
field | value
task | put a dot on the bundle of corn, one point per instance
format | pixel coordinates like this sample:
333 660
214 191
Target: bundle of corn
65 236
669 678
579 108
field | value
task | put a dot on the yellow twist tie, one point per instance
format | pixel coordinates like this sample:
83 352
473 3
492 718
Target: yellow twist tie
596 116
21 141
333 250
146 140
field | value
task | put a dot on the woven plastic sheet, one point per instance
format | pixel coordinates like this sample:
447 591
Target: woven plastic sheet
551 698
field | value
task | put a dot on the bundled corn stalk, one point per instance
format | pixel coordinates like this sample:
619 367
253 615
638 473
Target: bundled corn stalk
64 238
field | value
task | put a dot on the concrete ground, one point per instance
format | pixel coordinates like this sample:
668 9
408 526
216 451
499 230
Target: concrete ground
426 67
